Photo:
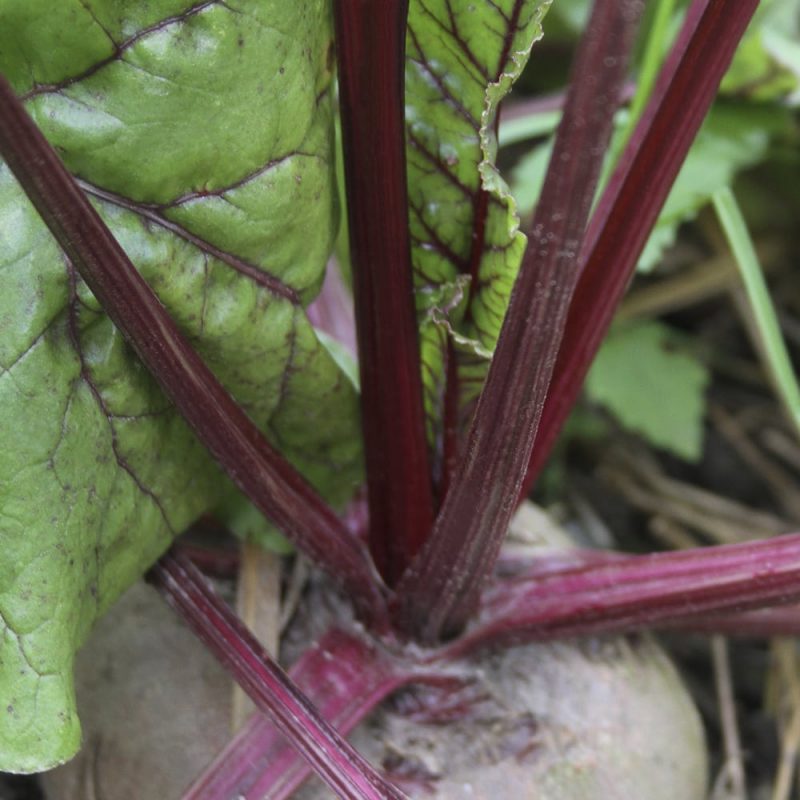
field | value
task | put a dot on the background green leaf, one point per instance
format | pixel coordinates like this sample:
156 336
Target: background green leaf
735 136
653 385
203 133
766 65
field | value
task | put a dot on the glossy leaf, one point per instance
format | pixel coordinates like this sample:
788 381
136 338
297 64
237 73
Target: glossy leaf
203 134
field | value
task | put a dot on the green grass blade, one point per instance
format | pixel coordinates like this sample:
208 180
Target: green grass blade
530 126
773 346
657 44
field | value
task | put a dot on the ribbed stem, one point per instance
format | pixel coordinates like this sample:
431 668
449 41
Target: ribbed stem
632 201
346 772
612 593
370 40
442 586
345 677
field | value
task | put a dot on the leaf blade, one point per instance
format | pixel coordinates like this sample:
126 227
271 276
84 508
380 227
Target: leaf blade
123 451
461 62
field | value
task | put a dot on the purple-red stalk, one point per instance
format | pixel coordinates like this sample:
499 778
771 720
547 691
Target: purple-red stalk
346 677
631 202
575 592
260 471
370 42
441 588
214 562
346 772
628 593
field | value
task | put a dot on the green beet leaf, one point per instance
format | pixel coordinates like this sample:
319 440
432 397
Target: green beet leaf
461 60
202 131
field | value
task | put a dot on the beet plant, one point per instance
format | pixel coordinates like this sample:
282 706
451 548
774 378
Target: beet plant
167 208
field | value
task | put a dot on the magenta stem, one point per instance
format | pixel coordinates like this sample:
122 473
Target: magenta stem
441 589
346 772
370 40
626 593
345 676
630 205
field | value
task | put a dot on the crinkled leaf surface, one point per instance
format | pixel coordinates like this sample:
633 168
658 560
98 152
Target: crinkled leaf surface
653 385
202 131
462 59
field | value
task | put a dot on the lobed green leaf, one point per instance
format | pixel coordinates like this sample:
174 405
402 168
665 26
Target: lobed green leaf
653 386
